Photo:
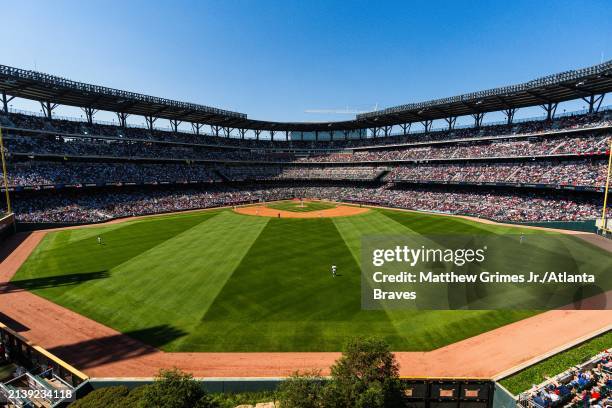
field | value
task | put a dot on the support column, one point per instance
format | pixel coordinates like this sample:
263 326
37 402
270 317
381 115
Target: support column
174 124
427 124
150 122
510 115
346 133
550 109
286 135
47 108
405 128
227 131
196 127
215 129
272 133
387 130
5 102
594 102
89 114
122 117
257 133
451 120
316 135
242 132
478 117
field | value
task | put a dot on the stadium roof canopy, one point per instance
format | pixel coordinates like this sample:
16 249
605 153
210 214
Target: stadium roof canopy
547 91
551 89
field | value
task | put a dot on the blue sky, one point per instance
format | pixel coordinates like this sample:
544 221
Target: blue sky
275 59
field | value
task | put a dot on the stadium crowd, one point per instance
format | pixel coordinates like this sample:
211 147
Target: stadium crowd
584 172
23 121
475 150
241 173
521 207
91 206
587 385
226 178
76 147
576 173
35 173
545 146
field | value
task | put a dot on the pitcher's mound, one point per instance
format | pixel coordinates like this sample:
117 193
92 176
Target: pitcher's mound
339 211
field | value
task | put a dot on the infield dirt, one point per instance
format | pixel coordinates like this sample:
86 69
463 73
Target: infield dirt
339 211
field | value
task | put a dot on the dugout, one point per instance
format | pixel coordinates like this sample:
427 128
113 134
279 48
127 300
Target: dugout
449 393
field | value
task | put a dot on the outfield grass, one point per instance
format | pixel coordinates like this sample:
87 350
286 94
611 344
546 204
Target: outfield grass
222 281
297 206
557 364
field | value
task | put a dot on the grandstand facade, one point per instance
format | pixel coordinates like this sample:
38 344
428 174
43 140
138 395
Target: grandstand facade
73 171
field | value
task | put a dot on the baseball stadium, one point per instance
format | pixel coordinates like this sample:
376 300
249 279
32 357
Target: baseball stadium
233 248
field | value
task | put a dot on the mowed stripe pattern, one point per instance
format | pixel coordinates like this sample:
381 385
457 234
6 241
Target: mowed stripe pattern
152 279
221 281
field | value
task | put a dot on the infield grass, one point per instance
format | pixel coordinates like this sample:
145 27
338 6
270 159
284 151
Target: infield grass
221 281
297 206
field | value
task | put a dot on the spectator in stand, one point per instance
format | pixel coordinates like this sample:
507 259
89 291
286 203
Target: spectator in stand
85 206
68 139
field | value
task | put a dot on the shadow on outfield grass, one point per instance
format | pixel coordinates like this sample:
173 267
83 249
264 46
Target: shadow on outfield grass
52 281
119 347
157 336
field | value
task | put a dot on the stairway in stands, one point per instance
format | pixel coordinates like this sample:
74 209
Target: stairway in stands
380 176
222 176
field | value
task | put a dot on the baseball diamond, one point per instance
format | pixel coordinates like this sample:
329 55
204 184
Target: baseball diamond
254 284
